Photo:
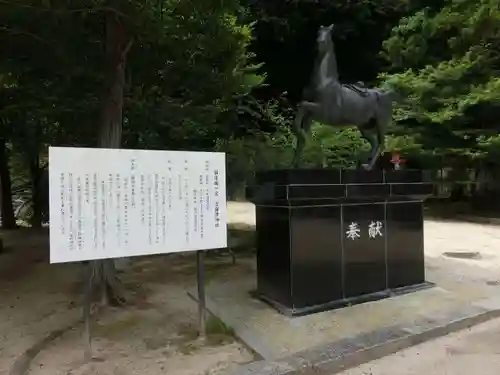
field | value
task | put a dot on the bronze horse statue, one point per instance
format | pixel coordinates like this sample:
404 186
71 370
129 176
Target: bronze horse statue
329 102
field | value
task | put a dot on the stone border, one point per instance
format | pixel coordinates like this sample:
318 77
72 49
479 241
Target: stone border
22 363
460 218
479 219
350 352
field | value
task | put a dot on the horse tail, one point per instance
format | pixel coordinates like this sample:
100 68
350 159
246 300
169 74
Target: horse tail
296 125
301 127
384 116
308 95
379 127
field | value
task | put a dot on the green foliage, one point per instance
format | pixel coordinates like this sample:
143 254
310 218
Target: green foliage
215 326
191 80
187 63
326 147
333 147
446 63
194 72
254 152
187 67
490 147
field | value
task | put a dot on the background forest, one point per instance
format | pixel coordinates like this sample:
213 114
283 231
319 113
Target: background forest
226 75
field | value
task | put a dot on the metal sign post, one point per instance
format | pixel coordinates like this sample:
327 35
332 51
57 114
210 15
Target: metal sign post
200 276
87 301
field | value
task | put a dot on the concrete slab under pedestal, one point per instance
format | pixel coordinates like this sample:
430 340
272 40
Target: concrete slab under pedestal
273 335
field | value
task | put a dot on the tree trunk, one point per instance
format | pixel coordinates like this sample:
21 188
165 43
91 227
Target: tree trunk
36 198
110 134
7 210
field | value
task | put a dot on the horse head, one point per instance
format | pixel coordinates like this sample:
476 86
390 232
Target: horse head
324 39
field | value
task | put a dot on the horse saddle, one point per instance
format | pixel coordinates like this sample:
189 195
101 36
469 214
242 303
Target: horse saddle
358 87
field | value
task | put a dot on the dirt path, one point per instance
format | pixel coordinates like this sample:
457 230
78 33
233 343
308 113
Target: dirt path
156 333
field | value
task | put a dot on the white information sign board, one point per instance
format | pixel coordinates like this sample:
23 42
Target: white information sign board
112 203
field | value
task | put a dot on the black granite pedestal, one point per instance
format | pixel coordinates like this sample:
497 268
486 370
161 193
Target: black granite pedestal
330 238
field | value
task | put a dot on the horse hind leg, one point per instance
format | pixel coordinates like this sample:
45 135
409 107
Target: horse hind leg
302 126
375 141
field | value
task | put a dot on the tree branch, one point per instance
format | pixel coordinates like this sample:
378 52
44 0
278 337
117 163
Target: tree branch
127 49
26 33
90 9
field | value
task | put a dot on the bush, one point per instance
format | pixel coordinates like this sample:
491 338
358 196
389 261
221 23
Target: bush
326 147
259 151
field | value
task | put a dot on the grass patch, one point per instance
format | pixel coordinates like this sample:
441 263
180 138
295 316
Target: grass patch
215 326
117 329
188 348
218 333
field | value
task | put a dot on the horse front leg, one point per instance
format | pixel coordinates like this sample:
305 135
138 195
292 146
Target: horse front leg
302 126
375 147
376 152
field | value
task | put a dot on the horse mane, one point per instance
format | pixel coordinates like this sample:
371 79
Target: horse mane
309 92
